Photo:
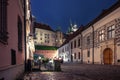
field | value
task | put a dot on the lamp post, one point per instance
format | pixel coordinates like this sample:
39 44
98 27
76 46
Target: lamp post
93 46
39 59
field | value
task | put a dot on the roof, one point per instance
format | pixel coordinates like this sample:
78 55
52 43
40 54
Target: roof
100 16
104 13
43 26
70 37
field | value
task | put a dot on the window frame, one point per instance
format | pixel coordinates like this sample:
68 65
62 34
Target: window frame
101 35
110 31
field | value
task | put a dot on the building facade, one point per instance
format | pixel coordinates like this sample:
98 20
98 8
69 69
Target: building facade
47 38
11 39
30 48
100 39
44 35
59 38
64 52
15 48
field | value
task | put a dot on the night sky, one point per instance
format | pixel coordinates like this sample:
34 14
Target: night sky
59 13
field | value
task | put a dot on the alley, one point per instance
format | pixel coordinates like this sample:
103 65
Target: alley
77 71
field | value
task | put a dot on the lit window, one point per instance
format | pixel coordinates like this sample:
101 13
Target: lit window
101 35
74 55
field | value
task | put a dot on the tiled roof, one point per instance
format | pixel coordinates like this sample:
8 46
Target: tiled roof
43 26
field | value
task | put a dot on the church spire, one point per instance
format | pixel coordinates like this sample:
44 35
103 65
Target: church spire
70 22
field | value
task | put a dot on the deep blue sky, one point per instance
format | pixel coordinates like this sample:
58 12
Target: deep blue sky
59 12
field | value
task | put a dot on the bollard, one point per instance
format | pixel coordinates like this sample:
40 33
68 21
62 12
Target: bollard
57 65
29 65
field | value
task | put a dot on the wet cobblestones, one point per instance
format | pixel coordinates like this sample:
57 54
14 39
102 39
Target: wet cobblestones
54 76
78 71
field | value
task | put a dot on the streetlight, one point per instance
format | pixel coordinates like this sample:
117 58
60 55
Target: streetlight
39 60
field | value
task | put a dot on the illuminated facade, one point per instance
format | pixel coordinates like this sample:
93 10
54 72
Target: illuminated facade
64 52
99 39
44 35
30 49
59 38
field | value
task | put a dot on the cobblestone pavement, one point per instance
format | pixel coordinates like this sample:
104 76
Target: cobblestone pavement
76 71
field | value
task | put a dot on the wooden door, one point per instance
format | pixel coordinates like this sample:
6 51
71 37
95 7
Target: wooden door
107 56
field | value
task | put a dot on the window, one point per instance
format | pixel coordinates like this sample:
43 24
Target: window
48 41
45 41
13 57
88 40
78 42
3 21
101 35
79 55
48 36
63 50
40 34
74 43
40 38
88 54
19 34
74 55
111 32
45 35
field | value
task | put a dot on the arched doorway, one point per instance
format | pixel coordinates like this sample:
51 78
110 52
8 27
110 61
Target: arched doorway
107 56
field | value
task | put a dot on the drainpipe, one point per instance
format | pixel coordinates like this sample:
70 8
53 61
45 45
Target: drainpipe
81 49
25 63
93 46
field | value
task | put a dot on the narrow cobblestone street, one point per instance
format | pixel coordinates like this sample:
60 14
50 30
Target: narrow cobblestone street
77 71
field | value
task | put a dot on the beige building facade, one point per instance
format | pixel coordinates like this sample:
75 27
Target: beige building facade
44 35
100 39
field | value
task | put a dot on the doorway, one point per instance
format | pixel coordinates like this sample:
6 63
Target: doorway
107 56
